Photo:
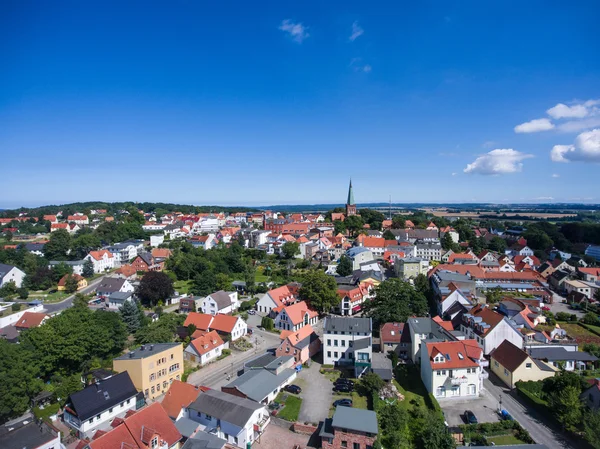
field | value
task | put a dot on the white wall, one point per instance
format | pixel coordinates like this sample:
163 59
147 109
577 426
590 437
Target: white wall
12 319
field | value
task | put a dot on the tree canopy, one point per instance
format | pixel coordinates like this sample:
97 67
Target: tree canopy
319 290
395 301
155 286
344 267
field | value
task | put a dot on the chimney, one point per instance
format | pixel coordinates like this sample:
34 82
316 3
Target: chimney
151 347
131 354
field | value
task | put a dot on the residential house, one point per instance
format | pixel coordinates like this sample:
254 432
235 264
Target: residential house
57 226
220 302
125 251
275 298
78 219
36 248
98 404
302 345
392 337
237 420
589 274
205 349
10 273
263 384
76 265
557 280
348 341
232 327
410 267
103 260
81 282
110 285
190 304
352 297
28 433
351 428
578 287
296 316
51 218
152 367
511 364
145 262
30 320
359 255
545 270
117 300
382 366
179 396
161 254
421 330
148 428
562 357
429 251
591 396
452 369
374 244
204 241
519 249
489 328
126 272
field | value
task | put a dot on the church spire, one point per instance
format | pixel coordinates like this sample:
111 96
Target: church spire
350 200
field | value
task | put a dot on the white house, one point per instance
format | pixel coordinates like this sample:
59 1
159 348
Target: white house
489 328
220 302
348 341
276 298
237 420
103 260
452 369
98 404
429 251
111 285
156 240
125 251
448 304
76 265
10 273
294 317
79 219
205 348
359 255
421 329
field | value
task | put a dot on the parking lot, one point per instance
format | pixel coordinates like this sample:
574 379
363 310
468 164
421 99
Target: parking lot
485 409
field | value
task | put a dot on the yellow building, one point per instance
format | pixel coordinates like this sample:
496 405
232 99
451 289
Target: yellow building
152 367
511 364
81 282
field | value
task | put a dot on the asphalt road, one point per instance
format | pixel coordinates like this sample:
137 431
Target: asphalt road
68 302
531 420
215 374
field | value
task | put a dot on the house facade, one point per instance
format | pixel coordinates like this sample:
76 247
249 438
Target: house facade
511 364
302 344
220 302
10 273
489 328
275 298
205 348
103 260
348 341
295 317
350 428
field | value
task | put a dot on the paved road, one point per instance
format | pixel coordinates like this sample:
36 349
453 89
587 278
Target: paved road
316 395
529 418
55 307
215 374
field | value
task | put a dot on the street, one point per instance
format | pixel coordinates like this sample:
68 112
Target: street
215 374
52 308
530 419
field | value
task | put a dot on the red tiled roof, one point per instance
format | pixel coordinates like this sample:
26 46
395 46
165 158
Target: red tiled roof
296 337
280 293
179 395
296 312
445 324
374 242
224 323
127 270
450 350
63 280
162 253
59 226
98 255
30 319
590 270
487 315
207 342
391 332
200 320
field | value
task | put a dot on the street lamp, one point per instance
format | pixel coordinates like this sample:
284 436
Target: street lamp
500 404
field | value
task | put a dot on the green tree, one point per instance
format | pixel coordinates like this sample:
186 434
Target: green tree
591 318
88 268
61 270
566 406
23 293
319 290
393 423
290 249
398 222
339 227
497 244
388 235
433 434
130 315
83 243
155 286
223 282
71 284
8 235
371 383
537 239
204 284
16 307
58 245
344 267
395 301
162 331
80 301
354 223
591 427
65 386
267 323
447 242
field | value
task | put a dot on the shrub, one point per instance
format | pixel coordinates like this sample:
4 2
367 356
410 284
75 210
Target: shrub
23 293
267 323
16 307
591 318
563 316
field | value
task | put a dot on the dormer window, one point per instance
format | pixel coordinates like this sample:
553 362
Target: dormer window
438 358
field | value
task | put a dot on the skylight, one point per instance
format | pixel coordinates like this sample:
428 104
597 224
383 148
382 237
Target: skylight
460 356
447 356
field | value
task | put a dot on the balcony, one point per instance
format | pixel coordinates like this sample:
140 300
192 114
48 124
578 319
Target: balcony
484 363
484 375
459 380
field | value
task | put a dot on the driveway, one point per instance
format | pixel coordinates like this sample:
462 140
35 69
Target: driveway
559 306
316 395
484 407
537 426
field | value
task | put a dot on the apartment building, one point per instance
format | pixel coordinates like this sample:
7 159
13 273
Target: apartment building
348 341
152 367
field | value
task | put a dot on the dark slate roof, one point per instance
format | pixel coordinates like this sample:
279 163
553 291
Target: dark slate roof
146 257
186 426
362 343
147 350
256 384
343 324
120 296
226 407
221 298
382 366
5 269
204 440
326 429
27 436
102 395
561 354
355 419
260 361
35 246
110 285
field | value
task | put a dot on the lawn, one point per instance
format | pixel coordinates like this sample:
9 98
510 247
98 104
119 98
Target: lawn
260 275
579 333
409 384
504 440
182 287
291 409
55 296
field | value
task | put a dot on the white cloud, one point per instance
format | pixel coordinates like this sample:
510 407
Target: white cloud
534 126
555 175
586 148
454 174
579 125
358 66
497 162
367 68
563 111
297 31
357 31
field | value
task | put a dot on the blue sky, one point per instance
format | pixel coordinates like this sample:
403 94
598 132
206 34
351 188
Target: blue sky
281 102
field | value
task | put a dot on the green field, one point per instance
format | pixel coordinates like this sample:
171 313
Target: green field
291 410
183 287
504 440
260 275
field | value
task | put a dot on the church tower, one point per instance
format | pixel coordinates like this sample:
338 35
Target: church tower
350 205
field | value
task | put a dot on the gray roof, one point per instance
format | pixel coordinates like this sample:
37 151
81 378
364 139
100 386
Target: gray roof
561 354
278 362
204 440
186 426
347 324
352 252
355 419
146 257
221 298
362 343
256 384
260 361
226 407
110 285
147 350
4 268
70 263
28 435
120 296
35 246
102 395
382 366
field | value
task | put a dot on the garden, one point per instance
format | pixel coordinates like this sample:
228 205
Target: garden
287 406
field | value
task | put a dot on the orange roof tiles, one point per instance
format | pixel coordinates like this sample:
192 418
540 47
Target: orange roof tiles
127 270
163 253
99 255
224 323
296 312
296 337
200 320
445 324
450 350
207 342
392 332
590 270
30 319
179 395
59 226
63 280
374 242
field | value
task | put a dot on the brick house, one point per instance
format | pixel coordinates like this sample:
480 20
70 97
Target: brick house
302 345
146 262
350 428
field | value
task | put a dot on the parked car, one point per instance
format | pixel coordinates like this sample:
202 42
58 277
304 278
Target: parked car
249 331
504 415
251 312
343 388
343 403
343 381
293 389
470 417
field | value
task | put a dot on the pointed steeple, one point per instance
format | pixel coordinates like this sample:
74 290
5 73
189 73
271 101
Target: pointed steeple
350 194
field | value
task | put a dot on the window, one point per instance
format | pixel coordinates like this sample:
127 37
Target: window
443 372
122 404
98 417
505 372
350 344
152 390
344 444
110 410
335 342
335 354
92 420
343 342
342 355
328 353
496 364
528 365
154 442
235 440
356 445
129 400
439 373
208 418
